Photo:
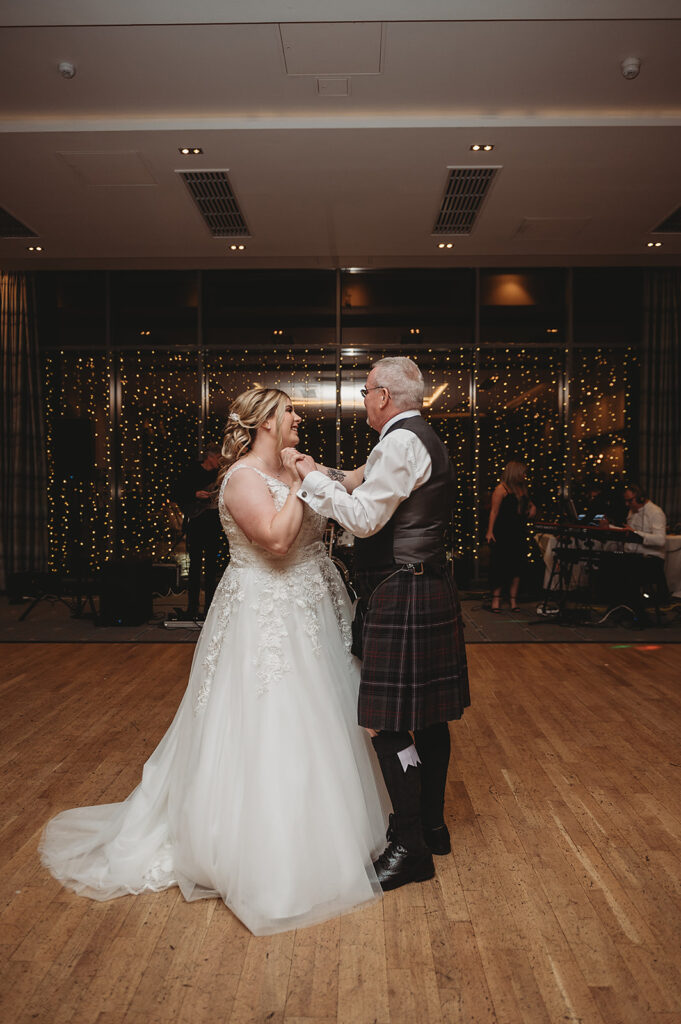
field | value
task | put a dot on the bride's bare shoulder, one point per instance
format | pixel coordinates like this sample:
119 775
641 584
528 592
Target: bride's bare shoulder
240 487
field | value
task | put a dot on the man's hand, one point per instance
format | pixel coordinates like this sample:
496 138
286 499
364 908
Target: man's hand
305 464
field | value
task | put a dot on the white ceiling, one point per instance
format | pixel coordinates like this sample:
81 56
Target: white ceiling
590 162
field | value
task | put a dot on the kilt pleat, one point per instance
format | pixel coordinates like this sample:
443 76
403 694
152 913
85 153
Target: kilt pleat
414 670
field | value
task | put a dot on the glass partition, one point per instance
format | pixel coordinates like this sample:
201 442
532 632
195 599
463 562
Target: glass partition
140 366
521 307
155 309
308 376
159 433
71 309
518 408
602 400
78 442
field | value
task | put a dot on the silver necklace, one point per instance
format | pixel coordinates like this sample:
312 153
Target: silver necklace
275 475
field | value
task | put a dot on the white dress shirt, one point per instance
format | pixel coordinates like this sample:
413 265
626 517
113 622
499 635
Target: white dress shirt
397 465
650 523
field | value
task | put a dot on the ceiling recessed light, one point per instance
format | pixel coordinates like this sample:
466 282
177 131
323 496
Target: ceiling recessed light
653 245
486 146
34 248
237 247
449 245
190 150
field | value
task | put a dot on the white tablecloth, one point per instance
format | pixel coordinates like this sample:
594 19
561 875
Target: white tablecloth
672 562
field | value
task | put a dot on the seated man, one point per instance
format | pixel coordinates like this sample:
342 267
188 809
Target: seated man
642 567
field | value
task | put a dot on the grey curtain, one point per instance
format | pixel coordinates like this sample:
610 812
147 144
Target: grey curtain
660 424
23 476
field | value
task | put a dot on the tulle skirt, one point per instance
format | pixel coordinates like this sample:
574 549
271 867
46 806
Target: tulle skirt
263 792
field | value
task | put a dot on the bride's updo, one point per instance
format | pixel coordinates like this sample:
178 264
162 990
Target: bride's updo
248 411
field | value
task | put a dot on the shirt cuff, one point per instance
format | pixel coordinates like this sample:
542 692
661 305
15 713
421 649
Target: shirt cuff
309 485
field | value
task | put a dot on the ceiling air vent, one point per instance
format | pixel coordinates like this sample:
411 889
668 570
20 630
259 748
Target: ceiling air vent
213 195
10 227
671 225
465 192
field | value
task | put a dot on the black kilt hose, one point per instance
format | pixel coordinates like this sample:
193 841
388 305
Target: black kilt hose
414 670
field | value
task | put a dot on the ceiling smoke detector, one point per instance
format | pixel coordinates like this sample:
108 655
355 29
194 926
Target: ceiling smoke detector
631 67
67 69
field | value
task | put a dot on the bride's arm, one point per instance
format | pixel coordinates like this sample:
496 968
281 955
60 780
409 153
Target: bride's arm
349 478
250 503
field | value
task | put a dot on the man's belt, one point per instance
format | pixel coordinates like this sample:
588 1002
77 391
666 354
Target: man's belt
424 568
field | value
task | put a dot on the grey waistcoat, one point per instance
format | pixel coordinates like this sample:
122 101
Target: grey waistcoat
415 533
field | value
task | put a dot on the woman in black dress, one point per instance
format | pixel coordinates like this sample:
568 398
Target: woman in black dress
507 533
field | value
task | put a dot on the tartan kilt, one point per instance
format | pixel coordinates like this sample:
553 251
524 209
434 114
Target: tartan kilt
414 670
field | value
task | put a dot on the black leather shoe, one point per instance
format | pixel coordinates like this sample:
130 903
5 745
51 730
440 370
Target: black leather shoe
396 867
437 840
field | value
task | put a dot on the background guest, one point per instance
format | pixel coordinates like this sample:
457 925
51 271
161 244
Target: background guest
507 533
195 493
632 575
647 524
597 502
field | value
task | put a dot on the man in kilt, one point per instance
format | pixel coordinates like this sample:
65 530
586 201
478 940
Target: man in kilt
407 627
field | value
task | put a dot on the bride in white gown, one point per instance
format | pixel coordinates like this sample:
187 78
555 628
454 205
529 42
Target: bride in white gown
264 790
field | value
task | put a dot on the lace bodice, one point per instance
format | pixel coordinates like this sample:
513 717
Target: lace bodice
243 553
277 588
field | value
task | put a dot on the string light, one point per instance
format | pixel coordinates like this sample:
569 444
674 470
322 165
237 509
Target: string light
601 401
159 437
80 523
520 419
518 415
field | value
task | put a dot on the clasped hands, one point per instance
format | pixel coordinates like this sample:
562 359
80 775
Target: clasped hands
297 464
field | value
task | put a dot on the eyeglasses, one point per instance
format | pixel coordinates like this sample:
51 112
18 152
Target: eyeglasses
379 387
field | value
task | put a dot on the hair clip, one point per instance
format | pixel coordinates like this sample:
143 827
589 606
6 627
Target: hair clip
234 416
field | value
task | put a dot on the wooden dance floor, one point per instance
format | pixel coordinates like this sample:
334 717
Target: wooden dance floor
561 901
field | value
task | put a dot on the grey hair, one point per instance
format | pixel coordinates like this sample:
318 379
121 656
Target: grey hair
403 379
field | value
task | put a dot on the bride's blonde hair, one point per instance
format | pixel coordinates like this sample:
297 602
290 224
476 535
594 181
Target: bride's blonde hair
248 411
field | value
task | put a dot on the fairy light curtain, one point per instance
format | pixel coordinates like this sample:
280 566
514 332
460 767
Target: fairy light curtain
23 501
519 419
308 375
158 438
660 417
79 442
181 346
601 416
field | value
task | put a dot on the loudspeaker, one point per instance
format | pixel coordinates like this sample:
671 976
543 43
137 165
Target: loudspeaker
125 593
74 448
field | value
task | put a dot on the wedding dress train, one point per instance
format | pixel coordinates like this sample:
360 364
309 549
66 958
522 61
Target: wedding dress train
263 791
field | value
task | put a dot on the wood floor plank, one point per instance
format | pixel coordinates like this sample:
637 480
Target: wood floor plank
561 901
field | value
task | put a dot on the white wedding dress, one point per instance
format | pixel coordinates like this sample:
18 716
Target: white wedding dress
264 791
